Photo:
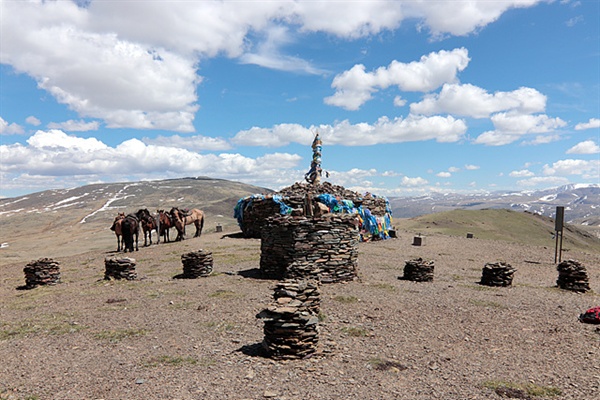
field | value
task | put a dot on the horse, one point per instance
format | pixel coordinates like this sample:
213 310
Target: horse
130 228
193 216
116 227
165 223
149 224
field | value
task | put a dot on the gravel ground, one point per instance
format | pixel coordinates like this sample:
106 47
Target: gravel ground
380 337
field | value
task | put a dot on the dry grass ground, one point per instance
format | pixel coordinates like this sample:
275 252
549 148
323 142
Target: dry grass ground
381 337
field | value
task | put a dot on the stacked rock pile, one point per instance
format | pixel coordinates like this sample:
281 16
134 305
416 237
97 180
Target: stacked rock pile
418 270
497 274
197 263
44 271
291 323
120 268
259 208
324 248
572 276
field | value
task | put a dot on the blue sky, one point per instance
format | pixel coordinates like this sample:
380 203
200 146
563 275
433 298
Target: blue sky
409 97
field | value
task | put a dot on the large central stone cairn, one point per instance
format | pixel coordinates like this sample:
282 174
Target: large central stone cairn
572 275
44 271
255 210
418 270
291 322
323 248
120 268
196 264
497 274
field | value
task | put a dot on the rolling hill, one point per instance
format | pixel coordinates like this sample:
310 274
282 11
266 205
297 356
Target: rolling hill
72 221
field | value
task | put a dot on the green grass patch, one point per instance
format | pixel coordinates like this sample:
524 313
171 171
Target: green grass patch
322 317
346 299
355 331
524 390
384 286
117 335
171 361
485 303
53 324
224 294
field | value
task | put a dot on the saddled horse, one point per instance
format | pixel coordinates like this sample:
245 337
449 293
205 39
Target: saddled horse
116 227
149 224
165 223
130 228
183 218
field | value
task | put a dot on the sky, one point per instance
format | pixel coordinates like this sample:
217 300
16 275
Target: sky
408 97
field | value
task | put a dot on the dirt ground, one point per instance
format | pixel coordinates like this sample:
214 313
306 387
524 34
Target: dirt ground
380 337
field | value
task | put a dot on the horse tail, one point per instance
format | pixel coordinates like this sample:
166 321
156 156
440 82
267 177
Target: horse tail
201 225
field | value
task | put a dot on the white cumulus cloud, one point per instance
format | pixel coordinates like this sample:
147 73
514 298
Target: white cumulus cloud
591 124
472 101
355 86
585 147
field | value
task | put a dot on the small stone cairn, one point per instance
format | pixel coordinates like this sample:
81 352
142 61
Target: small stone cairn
324 248
44 271
196 264
497 274
120 268
291 321
572 276
418 270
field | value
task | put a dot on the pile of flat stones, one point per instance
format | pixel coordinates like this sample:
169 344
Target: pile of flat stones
196 264
418 270
291 322
324 248
572 275
120 268
295 196
497 274
44 271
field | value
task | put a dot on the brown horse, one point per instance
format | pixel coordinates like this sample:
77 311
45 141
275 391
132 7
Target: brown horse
181 218
149 224
130 228
165 223
116 227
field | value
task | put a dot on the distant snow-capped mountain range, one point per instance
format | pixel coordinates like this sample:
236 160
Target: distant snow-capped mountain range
217 196
581 202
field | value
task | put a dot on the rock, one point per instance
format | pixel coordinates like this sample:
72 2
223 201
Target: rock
44 271
120 268
572 275
497 274
418 270
196 264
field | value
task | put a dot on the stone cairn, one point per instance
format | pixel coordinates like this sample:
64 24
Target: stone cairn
44 271
196 264
291 322
572 276
257 209
297 247
418 270
120 268
497 274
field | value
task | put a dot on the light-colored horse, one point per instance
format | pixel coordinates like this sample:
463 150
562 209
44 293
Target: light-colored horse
116 227
193 216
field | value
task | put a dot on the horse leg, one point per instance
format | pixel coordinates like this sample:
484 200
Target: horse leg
201 225
136 242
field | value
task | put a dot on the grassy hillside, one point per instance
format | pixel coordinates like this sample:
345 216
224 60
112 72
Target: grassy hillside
500 224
